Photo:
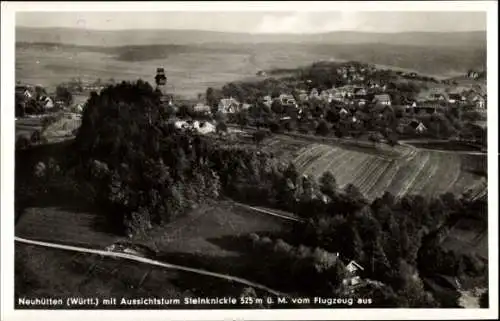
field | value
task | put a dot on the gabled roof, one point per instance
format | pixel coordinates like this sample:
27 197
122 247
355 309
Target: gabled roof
382 97
354 263
228 101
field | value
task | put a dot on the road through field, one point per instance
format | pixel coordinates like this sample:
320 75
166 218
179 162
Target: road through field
150 262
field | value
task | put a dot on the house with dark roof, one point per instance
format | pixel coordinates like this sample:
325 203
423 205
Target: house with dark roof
455 98
383 99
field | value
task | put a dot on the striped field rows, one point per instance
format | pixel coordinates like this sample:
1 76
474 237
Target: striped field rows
422 172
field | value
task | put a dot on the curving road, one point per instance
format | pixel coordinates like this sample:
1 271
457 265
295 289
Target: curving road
150 262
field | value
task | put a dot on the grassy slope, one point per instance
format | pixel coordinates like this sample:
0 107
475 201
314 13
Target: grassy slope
214 238
42 272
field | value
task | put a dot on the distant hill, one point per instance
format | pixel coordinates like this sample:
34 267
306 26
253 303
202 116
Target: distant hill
188 37
450 61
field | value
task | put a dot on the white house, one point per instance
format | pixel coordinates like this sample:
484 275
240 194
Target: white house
201 108
228 105
353 267
47 102
200 127
287 100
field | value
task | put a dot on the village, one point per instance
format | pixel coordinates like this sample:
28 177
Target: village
403 106
373 104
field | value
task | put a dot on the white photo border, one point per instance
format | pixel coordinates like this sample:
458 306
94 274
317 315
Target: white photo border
7 161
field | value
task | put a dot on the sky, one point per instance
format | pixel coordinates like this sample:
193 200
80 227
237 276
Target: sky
261 22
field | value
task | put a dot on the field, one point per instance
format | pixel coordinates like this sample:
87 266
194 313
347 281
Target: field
424 172
189 72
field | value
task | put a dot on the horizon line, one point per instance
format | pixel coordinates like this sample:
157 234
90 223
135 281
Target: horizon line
254 33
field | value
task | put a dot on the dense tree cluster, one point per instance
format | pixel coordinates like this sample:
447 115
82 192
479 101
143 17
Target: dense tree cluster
142 167
313 270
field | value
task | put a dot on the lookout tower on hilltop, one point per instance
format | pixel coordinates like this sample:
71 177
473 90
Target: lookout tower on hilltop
161 84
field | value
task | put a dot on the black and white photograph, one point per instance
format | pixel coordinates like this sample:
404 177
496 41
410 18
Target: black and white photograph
247 158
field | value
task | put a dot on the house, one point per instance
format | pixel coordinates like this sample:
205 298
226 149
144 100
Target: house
303 97
267 100
228 105
25 91
418 126
327 96
361 92
472 74
477 100
361 102
287 100
352 269
78 108
344 112
455 98
201 108
314 94
383 99
47 102
199 126
438 97
339 96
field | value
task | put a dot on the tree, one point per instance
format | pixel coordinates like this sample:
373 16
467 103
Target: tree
64 94
221 127
323 129
242 118
39 92
328 184
484 300
212 100
259 136
277 107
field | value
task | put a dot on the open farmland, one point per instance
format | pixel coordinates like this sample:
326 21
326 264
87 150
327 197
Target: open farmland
419 172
